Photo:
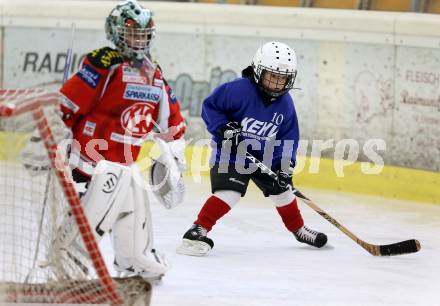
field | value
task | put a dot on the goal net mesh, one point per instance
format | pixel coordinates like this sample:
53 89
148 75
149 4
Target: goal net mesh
36 199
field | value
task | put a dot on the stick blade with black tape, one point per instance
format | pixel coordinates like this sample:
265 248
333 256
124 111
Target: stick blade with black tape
400 248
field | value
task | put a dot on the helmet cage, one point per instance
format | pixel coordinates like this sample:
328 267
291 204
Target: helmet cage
135 41
260 73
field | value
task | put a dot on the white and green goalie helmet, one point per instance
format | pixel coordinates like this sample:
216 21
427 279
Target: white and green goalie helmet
131 28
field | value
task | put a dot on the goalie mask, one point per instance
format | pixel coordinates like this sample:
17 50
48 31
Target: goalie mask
131 28
275 68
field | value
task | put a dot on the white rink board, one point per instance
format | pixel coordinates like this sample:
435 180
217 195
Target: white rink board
417 112
354 67
36 57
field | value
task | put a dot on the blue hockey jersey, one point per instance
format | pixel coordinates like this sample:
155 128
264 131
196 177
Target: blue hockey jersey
270 131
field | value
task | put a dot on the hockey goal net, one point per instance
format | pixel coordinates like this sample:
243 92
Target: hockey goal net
36 196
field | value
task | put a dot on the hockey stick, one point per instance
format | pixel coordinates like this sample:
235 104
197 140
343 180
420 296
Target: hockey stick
40 229
399 248
68 64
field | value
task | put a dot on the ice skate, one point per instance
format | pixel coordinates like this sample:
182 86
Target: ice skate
311 237
195 242
157 267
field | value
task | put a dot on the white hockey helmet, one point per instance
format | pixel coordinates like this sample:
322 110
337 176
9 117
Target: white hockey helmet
277 58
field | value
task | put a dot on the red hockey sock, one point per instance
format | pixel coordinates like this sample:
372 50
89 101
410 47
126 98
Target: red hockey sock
291 216
213 210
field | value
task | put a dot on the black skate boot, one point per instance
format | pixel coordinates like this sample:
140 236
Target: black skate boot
195 242
311 237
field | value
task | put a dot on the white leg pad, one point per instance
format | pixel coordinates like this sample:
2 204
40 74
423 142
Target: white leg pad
103 202
132 237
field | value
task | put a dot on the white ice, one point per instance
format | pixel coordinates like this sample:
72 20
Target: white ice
256 262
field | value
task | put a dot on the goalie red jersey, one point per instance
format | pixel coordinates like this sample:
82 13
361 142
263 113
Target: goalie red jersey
111 105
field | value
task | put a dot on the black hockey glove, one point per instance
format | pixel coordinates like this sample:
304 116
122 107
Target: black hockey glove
231 133
284 178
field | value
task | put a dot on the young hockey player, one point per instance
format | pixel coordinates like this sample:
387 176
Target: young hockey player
111 104
254 113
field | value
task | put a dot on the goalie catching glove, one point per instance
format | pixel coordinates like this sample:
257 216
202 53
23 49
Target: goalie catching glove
165 175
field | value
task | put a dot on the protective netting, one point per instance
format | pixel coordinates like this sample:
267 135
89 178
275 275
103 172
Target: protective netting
36 199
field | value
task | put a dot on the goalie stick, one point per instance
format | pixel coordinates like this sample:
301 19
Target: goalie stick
398 248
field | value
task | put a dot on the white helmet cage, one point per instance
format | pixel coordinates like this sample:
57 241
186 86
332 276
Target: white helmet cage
277 58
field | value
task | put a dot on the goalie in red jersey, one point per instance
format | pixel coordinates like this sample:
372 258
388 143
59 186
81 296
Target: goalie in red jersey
116 99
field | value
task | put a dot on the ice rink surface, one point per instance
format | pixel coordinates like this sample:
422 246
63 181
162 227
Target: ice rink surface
256 262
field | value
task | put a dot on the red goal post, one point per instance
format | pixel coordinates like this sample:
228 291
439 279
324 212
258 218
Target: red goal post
34 201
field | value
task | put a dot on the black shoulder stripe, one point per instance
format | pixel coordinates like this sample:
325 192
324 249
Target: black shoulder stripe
104 57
